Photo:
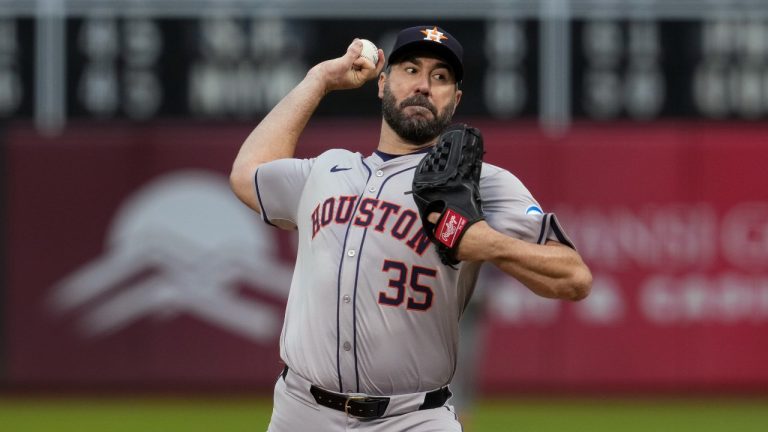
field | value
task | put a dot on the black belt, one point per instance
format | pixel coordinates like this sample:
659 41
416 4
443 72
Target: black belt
370 406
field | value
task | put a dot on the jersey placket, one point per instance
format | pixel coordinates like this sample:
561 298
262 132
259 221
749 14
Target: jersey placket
350 280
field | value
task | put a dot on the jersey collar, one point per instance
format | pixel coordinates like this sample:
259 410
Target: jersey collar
387 156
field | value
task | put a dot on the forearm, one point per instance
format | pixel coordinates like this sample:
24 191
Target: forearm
552 270
276 135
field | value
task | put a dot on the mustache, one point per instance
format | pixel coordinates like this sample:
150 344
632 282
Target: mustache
419 100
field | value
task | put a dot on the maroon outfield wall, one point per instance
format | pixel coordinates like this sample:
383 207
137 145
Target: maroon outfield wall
129 264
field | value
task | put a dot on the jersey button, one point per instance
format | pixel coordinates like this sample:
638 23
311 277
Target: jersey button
347 346
351 252
379 173
372 189
347 299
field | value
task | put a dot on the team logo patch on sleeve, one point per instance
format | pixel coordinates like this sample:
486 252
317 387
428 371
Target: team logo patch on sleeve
533 210
450 228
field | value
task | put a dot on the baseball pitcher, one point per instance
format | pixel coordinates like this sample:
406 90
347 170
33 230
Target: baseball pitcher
390 243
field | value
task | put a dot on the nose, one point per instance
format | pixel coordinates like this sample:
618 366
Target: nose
423 85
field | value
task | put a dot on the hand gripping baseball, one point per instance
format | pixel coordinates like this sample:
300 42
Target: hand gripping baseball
348 71
447 181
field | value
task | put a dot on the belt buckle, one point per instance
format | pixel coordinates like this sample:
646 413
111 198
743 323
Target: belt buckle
350 399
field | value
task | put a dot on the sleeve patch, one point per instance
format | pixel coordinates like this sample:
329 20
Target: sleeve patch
534 210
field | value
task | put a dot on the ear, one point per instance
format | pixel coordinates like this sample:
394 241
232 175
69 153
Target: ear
381 82
458 99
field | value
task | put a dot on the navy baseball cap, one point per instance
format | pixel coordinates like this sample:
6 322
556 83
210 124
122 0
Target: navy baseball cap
432 39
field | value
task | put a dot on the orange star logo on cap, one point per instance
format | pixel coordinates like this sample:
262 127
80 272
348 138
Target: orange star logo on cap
434 34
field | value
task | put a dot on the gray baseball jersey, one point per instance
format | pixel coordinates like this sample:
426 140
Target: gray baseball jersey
371 308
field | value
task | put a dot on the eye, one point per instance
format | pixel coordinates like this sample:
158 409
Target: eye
410 69
442 75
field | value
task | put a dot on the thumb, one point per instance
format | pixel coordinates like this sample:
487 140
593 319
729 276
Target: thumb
355 49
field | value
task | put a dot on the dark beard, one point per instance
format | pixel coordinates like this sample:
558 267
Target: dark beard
417 130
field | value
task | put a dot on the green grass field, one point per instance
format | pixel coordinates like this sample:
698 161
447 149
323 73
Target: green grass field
517 415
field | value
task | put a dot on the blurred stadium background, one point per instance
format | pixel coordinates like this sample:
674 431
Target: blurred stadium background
136 293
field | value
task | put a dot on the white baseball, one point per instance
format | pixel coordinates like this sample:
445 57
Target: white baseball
370 51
